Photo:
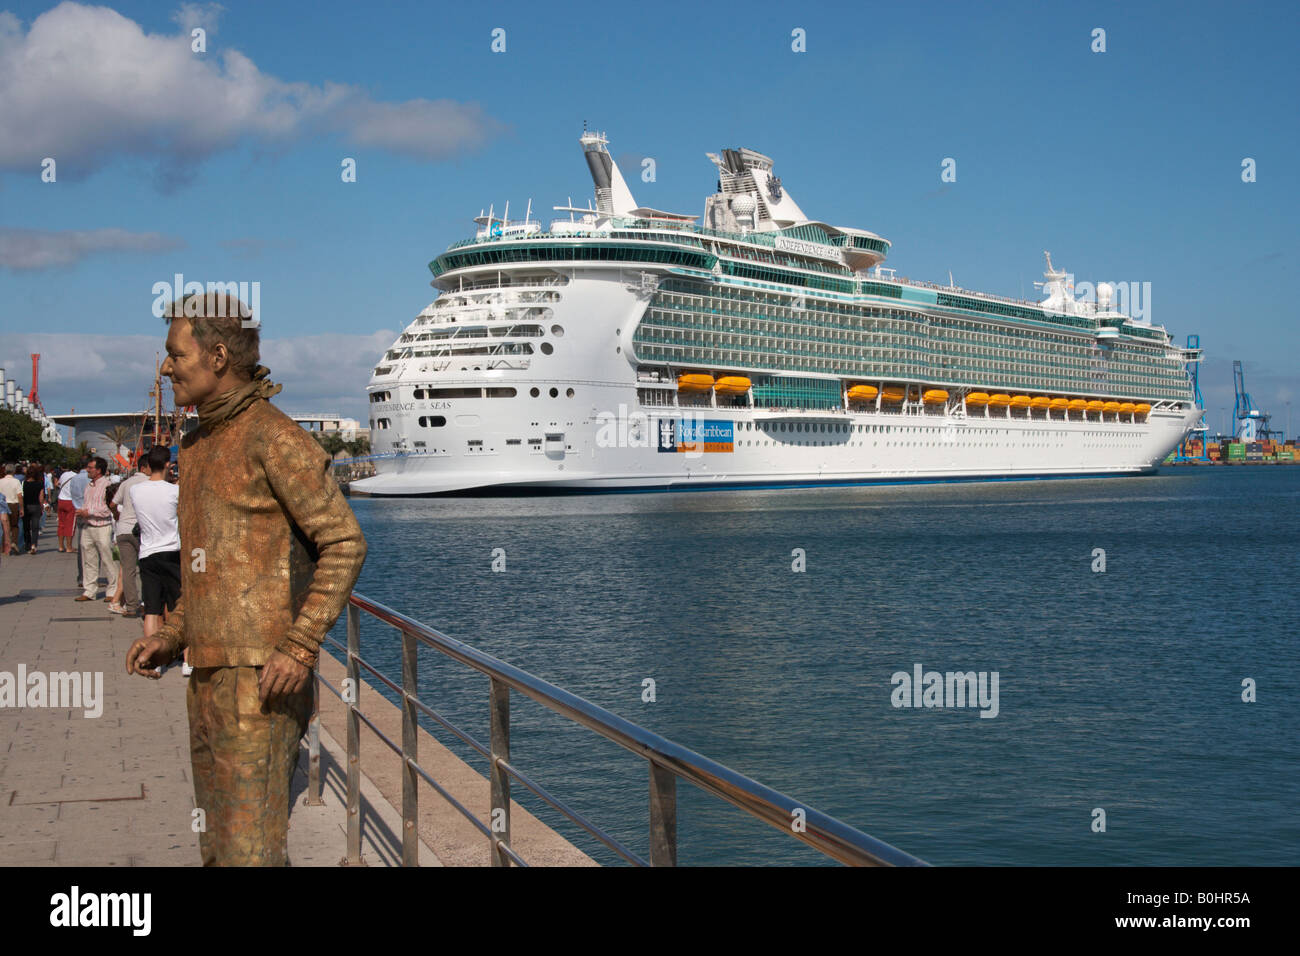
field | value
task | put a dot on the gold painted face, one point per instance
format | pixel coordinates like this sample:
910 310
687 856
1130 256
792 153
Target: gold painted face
193 380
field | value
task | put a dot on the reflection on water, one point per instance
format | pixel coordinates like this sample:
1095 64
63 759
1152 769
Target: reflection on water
1118 690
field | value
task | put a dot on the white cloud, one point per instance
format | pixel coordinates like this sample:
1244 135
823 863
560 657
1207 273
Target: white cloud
324 373
191 15
30 249
86 85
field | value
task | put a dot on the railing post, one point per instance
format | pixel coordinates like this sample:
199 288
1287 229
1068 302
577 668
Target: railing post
352 688
313 742
410 755
499 822
663 816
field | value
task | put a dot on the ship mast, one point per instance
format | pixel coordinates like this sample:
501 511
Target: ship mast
157 400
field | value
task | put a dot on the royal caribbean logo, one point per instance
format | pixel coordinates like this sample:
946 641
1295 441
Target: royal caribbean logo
694 435
774 187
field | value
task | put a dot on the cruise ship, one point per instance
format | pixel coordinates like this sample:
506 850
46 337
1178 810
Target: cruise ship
623 348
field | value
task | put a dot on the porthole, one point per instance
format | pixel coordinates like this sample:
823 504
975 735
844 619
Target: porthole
557 331
569 393
547 348
534 392
555 393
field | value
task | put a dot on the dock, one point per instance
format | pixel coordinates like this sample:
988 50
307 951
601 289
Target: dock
107 782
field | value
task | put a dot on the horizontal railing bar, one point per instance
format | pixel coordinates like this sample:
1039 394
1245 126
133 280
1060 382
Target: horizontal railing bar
378 733
465 812
832 837
469 739
573 815
332 689
463 735
536 788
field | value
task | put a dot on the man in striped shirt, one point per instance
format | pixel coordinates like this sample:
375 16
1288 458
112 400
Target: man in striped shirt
96 533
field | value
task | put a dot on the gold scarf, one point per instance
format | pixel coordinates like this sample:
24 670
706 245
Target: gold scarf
231 402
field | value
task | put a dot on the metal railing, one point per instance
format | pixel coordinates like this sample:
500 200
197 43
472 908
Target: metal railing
667 761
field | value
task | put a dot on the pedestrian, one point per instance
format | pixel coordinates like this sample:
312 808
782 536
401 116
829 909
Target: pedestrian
80 481
97 534
48 471
33 505
12 490
272 551
127 532
67 514
153 502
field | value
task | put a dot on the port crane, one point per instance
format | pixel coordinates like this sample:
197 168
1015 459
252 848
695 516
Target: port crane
1250 424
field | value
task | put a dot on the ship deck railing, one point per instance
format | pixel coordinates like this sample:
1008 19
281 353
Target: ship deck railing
667 762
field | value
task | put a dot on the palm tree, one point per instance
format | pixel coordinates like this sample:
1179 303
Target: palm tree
333 443
84 450
118 435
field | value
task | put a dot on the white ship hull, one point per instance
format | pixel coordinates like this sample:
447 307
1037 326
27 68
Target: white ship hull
937 450
611 442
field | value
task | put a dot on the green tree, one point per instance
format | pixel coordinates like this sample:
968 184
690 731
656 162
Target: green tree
20 440
20 437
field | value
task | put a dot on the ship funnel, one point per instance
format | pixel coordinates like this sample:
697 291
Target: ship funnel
613 198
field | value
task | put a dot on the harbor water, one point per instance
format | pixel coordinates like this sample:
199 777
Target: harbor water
1119 690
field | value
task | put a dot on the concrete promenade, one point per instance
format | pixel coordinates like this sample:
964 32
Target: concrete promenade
115 789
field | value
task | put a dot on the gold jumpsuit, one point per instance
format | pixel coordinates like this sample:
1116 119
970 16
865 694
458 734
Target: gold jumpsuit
270 551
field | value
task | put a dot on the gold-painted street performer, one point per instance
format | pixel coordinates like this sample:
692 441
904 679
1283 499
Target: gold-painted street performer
270 551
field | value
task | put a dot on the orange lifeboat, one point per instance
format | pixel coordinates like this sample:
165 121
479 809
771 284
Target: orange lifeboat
934 396
732 385
1096 406
1110 407
1128 408
863 393
694 382
977 398
1078 405
1020 401
1142 408
892 395
1060 403
1040 401
1000 399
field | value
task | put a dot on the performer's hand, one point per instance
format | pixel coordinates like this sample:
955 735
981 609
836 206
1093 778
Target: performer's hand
146 655
282 676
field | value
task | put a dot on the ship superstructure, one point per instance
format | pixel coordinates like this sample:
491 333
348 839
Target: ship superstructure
623 348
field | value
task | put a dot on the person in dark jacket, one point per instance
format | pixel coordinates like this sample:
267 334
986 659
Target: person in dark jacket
33 505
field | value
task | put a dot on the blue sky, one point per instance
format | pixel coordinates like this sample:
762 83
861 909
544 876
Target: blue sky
1125 164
